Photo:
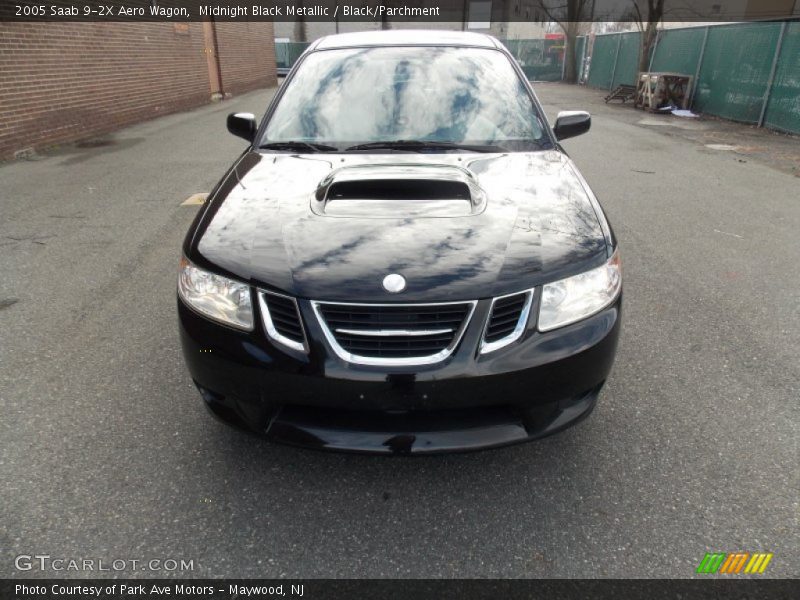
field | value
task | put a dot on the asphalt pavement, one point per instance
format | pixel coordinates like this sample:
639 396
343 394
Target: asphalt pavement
108 454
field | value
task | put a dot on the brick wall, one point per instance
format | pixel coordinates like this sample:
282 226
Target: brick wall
246 55
62 82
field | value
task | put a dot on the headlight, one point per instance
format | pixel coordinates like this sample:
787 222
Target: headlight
216 297
575 298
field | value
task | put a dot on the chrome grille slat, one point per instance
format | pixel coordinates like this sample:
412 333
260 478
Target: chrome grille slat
394 332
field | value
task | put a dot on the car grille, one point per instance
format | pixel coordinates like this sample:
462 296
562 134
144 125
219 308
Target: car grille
282 320
507 320
504 317
394 334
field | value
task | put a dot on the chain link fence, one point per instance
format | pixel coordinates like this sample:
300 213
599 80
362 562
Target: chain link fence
747 72
541 60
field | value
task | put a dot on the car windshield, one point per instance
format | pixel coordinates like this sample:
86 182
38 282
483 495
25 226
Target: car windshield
425 97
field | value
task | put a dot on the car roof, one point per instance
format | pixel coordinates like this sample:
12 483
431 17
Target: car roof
400 37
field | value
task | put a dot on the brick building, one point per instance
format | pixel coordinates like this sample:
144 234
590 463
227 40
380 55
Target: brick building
62 82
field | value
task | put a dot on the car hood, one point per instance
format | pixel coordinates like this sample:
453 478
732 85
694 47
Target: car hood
532 220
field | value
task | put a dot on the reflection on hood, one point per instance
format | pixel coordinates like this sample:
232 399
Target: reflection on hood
538 225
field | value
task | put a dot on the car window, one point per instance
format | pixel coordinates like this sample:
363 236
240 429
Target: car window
345 97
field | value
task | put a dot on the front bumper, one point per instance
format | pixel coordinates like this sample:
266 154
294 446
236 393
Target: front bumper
534 387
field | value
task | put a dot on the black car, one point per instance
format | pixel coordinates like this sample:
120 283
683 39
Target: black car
404 260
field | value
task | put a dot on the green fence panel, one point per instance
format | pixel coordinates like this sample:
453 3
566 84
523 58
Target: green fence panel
627 67
602 65
734 74
541 60
735 71
287 53
783 108
678 51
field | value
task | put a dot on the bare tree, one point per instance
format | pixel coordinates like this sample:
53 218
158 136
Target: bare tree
300 27
570 15
647 14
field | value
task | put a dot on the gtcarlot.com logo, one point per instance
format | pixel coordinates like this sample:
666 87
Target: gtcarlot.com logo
45 562
734 562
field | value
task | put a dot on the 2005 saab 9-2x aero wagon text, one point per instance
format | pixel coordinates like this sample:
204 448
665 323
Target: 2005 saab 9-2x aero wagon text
404 260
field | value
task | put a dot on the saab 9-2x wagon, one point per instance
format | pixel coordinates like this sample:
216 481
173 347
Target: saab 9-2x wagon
404 260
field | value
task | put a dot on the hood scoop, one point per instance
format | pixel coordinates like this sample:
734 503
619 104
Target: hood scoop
399 192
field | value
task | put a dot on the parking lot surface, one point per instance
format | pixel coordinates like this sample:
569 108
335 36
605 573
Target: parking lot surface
107 452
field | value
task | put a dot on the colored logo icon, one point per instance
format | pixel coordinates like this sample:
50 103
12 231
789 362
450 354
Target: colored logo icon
734 562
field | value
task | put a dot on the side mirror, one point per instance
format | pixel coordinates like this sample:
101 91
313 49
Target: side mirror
570 123
242 125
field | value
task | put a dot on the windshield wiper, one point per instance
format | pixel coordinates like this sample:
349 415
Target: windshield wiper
420 145
299 146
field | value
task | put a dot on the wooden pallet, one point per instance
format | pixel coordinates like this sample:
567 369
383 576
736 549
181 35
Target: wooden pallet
662 89
622 92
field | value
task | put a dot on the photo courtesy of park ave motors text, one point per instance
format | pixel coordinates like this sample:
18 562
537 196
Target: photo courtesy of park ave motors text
477 294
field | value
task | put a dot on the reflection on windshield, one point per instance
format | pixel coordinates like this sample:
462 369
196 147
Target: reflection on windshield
445 94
